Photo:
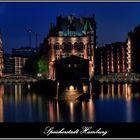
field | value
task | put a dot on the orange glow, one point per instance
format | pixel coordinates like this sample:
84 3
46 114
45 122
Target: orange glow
126 90
108 90
71 88
85 40
129 91
60 40
51 112
119 90
85 52
112 86
129 55
71 112
91 110
85 88
1 109
102 91
73 40
58 114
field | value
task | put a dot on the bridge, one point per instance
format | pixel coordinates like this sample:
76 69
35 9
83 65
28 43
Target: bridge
17 79
118 78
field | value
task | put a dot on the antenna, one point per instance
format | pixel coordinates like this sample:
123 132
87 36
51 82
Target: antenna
36 37
30 33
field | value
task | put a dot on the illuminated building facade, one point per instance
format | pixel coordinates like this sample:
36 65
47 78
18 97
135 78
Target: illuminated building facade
72 36
119 57
112 58
133 50
8 64
1 56
19 62
20 56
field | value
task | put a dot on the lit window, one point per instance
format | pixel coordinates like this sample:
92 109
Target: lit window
75 65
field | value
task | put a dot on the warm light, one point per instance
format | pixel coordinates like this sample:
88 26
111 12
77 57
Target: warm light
71 112
34 97
91 111
39 75
52 40
85 88
112 90
119 90
102 91
60 40
129 55
73 40
57 108
84 39
71 88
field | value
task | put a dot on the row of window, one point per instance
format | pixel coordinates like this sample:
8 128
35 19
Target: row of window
69 46
72 65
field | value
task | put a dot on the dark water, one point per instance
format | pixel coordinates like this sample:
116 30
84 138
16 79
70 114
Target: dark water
116 103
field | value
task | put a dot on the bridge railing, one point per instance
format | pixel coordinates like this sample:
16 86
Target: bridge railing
17 78
118 77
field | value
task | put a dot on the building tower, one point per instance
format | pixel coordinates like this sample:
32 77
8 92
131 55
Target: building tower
1 55
72 36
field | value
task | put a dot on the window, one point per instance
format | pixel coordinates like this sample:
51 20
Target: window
67 47
56 46
75 65
79 46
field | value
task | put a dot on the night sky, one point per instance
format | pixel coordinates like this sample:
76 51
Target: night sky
114 20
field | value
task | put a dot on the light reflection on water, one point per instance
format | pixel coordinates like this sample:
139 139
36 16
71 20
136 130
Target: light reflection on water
116 103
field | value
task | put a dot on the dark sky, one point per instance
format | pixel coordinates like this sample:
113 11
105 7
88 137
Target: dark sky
114 20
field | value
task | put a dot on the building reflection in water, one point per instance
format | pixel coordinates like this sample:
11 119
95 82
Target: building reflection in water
17 104
119 90
91 111
17 92
116 91
129 103
57 111
102 91
88 111
71 111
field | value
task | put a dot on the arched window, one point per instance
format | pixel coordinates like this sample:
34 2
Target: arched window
63 46
75 46
79 47
56 46
67 47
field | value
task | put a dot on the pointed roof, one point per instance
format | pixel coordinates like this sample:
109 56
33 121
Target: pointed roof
87 26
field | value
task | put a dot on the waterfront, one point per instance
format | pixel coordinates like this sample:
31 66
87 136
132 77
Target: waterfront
116 103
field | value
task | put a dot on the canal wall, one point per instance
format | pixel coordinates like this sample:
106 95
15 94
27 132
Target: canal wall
61 91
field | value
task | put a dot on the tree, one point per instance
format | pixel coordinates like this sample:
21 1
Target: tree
38 62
